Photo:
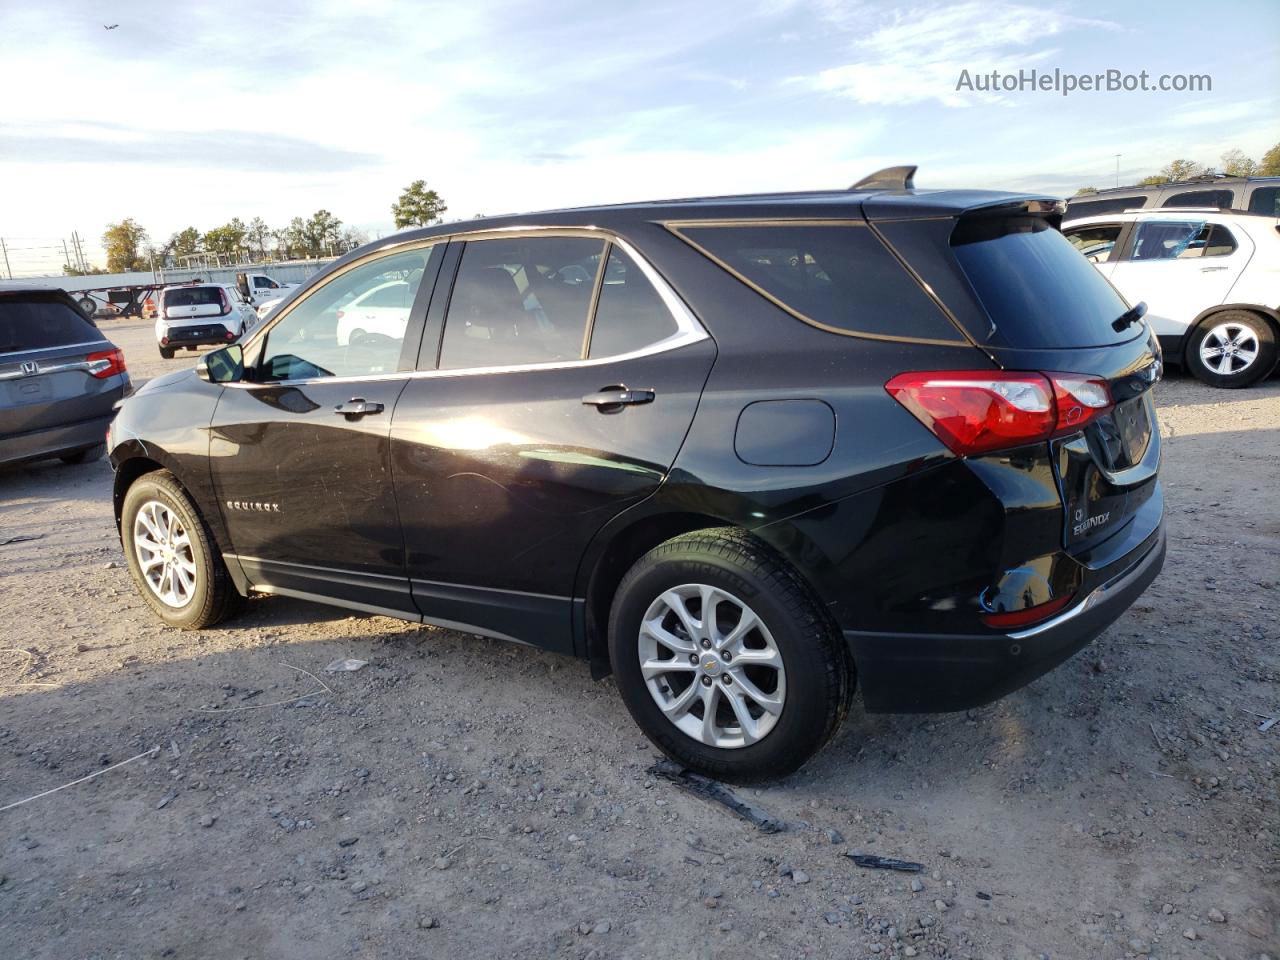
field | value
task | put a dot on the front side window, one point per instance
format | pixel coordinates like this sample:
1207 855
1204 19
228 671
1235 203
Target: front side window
1181 240
1201 198
264 283
326 334
1095 242
520 300
630 314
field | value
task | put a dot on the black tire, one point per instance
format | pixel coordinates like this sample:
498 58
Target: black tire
87 306
166 353
1262 332
214 596
819 675
87 455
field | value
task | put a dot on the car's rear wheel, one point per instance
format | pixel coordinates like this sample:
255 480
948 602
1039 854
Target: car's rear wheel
166 353
1232 349
725 658
172 556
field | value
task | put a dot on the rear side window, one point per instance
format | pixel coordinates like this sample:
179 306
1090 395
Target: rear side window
1201 198
518 301
1181 240
629 315
192 297
35 323
1265 200
838 276
1035 287
1092 208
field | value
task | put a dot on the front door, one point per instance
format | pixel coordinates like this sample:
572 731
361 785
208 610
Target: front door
1181 267
300 450
538 426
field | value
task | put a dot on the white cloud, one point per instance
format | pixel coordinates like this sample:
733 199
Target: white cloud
919 55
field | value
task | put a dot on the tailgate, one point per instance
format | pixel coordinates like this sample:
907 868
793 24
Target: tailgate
52 387
193 310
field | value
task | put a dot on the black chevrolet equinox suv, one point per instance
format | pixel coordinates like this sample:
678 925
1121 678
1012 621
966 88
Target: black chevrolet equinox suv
743 453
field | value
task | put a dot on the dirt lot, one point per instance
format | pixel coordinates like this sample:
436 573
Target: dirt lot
459 797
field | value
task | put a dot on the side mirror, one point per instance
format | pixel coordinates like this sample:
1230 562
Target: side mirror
222 366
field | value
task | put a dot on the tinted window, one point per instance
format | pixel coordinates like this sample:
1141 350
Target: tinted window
1037 290
1201 198
520 301
630 314
318 337
265 283
1092 208
1181 240
36 322
192 297
839 276
1095 242
1265 200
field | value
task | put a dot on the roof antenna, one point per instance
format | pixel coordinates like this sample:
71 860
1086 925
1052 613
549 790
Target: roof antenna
890 178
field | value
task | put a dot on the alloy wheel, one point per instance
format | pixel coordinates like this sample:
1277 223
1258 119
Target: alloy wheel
1229 349
164 552
712 666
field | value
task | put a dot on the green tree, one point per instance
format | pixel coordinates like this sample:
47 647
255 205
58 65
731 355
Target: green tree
124 242
324 232
1270 165
184 243
1151 181
1085 191
418 206
227 240
1176 170
1236 164
257 235
68 270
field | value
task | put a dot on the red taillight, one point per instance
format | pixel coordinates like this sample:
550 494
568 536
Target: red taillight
1027 615
978 411
164 341
230 335
105 364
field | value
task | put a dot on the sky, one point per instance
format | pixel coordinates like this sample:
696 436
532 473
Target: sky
189 114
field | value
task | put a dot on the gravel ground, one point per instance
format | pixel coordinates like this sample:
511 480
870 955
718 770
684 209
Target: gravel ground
462 797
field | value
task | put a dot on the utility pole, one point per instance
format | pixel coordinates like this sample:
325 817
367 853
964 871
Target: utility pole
66 257
75 242
7 269
1117 169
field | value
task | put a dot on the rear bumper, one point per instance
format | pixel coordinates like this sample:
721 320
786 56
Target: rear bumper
54 441
935 673
187 337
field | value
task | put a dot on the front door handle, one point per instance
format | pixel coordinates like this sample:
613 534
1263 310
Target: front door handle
358 407
611 399
1211 269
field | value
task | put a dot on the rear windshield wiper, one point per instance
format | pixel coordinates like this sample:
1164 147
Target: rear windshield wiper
1132 315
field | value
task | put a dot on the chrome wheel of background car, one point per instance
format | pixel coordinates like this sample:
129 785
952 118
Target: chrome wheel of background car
712 666
164 553
1229 348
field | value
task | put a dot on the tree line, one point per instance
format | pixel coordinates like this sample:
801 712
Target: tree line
1234 163
130 247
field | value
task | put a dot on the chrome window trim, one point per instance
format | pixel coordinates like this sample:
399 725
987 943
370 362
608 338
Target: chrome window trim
688 329
63 346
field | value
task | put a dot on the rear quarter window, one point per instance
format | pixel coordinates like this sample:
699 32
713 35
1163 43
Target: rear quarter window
1035 287
1201 198
37 322
837 276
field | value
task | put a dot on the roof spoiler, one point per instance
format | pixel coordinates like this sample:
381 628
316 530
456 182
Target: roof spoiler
890 178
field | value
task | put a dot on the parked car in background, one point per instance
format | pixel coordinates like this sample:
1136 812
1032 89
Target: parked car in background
60 378
257 288
201 313
742 452
1245 194
1210 280
382 311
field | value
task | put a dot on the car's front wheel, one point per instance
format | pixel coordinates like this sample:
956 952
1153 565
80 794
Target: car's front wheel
1232 349
725 658
172 556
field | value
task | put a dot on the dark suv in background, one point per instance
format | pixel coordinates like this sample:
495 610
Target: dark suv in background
1245 194
60 378
741 452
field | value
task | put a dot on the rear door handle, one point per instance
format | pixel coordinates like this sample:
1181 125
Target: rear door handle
358 407
615 397
1211 269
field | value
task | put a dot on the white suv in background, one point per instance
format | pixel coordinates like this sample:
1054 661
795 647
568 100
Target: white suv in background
1210 279
192 314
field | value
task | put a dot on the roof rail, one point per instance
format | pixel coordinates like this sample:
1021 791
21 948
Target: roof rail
890 178
1176 210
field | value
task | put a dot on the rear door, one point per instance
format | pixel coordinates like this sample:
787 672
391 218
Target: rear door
1180 267
55 367
566 378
